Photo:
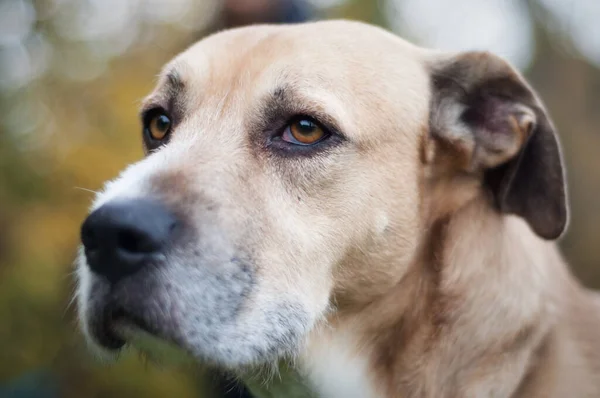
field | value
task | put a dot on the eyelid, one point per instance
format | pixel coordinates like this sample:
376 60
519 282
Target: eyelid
152 109
312 119
324 121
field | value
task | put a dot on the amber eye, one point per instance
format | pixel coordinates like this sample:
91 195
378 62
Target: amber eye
159 127
303 131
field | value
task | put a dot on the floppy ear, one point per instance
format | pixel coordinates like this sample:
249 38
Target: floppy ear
484 112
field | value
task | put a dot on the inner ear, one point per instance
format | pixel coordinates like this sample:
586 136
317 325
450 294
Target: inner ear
484 114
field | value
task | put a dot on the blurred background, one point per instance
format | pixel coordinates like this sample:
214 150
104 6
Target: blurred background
72 73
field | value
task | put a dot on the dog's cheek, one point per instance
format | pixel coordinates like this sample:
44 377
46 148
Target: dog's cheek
224 317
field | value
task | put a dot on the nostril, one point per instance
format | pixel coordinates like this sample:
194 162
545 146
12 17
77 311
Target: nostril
136 241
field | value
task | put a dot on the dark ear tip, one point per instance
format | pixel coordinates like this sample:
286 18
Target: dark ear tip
554 228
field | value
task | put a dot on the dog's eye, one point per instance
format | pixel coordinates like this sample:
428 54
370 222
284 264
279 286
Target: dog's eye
158 127
304 131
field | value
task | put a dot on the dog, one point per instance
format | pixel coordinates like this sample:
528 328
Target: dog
362 216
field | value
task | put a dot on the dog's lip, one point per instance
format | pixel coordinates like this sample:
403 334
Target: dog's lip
112 329
120 328
105 331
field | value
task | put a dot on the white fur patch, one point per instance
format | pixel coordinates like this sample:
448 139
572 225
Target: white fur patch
330 366
382 222
334 367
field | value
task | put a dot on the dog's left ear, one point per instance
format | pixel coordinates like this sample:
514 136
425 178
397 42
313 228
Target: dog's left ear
485 114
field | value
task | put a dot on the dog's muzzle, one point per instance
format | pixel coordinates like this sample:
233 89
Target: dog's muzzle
154 276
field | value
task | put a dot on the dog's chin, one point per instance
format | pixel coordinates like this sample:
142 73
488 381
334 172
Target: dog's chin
119 334
116 332
168 338
153 347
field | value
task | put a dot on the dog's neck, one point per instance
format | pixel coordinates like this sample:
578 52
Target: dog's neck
411 341
330 366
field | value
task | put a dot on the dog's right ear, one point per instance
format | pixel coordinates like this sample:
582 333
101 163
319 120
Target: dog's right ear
487 119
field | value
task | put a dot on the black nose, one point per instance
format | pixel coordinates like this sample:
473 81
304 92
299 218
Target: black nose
121 237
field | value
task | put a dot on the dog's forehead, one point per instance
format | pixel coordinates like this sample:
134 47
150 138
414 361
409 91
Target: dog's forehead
330 49
338 65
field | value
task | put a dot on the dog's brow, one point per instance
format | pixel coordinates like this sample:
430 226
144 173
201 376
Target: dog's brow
172 89
174 82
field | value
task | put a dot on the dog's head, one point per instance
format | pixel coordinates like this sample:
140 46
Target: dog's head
290 172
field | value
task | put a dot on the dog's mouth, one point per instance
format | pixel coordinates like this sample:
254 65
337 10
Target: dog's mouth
115 326
106 329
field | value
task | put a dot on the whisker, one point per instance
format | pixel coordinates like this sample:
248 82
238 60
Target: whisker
87 190
71 302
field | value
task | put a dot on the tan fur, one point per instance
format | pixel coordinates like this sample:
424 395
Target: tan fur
442 295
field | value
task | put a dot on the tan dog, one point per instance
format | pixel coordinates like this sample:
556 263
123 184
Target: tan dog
371 218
